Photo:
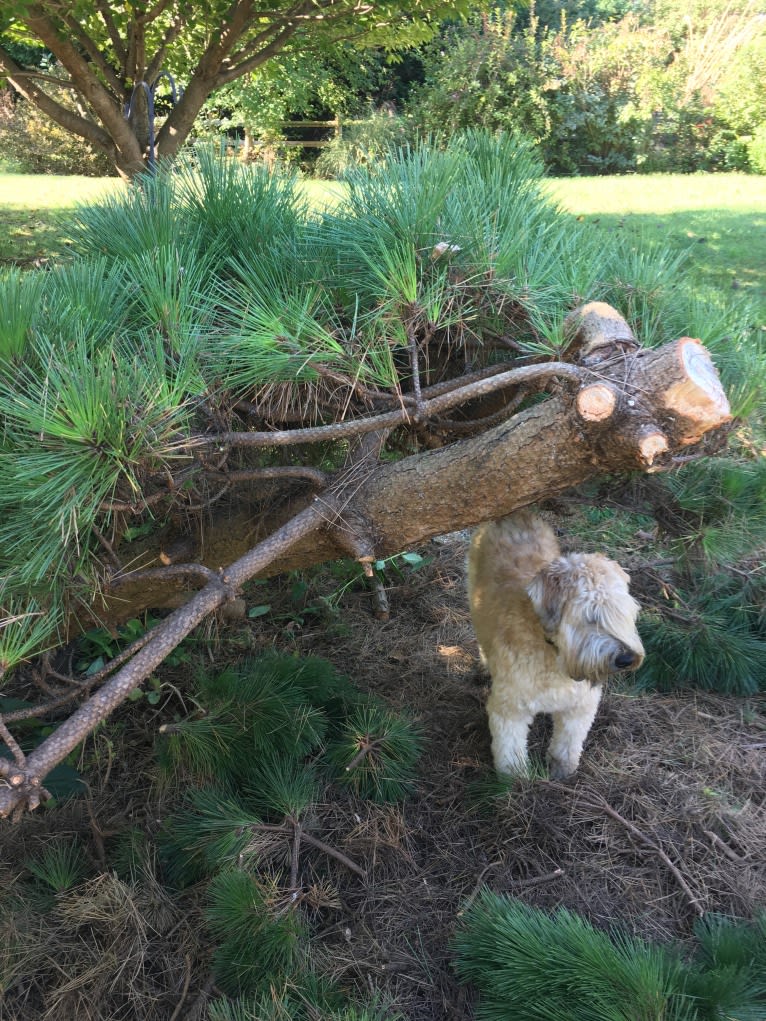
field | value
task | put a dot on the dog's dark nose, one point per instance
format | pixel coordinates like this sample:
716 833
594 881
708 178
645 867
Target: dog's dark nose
625 660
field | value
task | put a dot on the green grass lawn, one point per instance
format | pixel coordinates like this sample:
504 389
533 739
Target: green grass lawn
720 219
34 209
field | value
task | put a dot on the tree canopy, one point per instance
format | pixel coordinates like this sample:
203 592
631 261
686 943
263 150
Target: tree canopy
110 57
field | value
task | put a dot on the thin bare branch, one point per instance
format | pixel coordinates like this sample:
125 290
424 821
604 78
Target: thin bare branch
320 845
166 573
171 34
333 852
266 52
24 83
603 806
12 744
168 635
295 855
96 55
389 420
49 79
304 473
154 12
412 338
113 32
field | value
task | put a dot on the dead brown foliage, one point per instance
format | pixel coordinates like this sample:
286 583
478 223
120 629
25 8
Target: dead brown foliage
664 819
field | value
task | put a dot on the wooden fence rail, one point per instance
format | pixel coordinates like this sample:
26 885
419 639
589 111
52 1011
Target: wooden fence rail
248 143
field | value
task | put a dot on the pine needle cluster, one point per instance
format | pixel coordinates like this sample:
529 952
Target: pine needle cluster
254 943
708 630
60 866
308 1002
374 753
264 741
256 724
532 966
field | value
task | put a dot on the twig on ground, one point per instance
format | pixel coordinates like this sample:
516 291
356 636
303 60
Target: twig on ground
477 886
723 846
185 990
603 806
538 880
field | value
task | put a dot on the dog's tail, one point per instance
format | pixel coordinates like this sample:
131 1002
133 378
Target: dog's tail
512 549
522 528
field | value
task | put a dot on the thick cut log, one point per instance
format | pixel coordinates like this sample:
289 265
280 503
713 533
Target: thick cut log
596 332
631 413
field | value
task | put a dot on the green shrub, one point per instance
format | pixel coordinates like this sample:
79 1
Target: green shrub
361 143
756 149
674 93
487 76
532 966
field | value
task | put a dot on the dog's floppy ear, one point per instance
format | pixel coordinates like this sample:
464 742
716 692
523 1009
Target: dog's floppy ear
546 592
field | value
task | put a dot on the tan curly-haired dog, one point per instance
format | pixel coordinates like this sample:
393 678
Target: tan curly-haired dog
551 629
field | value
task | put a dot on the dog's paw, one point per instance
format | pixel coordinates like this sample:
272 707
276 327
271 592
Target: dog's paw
559 769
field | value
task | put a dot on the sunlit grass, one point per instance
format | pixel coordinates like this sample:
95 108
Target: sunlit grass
34 210
719 218
40 191
322 194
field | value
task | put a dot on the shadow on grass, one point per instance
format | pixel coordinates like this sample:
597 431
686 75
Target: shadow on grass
26 238
727 250
35 210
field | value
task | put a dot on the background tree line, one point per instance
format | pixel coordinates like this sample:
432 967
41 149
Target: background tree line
601 87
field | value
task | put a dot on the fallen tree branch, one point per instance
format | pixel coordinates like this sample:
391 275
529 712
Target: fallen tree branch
25 785
633 409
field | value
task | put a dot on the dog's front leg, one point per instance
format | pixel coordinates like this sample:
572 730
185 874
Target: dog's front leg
509 741
570 728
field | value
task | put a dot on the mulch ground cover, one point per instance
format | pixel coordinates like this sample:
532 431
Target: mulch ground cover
664 820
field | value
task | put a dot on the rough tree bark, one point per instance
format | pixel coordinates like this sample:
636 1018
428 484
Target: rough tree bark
613 407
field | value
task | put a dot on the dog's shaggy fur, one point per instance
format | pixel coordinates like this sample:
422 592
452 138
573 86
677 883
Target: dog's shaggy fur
551 629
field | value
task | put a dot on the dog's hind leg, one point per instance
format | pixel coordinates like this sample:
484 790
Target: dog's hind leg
509 741
570 728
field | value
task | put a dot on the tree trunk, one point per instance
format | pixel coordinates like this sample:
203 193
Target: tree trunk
631 411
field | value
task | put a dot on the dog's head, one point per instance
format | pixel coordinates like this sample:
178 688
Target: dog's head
588 614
